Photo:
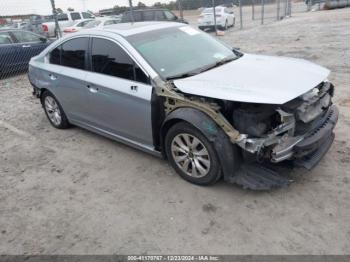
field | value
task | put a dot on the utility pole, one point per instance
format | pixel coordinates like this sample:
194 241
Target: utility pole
57 26
214 11
262 11
131 11
240 15
180 9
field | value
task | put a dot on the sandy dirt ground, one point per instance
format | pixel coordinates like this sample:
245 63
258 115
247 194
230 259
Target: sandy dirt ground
74 192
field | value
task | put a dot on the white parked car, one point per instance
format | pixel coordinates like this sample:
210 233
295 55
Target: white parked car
64 20
225 18
77 26
101 22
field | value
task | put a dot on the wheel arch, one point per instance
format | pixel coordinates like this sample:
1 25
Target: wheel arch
226 151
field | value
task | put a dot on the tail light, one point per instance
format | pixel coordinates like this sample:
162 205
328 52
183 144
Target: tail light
45 28
70 30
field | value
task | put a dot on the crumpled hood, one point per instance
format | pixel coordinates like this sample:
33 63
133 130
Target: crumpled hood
256 79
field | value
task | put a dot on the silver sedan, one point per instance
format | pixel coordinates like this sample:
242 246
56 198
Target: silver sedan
178 93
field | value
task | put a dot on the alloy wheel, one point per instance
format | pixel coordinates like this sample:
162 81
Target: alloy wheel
190 155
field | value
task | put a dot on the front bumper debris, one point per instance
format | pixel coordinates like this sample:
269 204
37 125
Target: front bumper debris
301 146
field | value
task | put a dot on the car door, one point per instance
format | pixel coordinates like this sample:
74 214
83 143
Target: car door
27 45
65 75
119 93
7 52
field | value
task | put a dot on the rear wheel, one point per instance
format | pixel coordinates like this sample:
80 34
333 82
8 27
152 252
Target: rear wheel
54 111
192 155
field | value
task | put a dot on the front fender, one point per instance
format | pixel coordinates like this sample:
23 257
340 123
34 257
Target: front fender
227 152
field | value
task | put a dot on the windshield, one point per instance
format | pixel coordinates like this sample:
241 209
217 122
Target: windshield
92 24
179 50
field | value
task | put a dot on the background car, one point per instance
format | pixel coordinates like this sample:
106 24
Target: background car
77 26
101 22
225 18
64 20
143 15
17 47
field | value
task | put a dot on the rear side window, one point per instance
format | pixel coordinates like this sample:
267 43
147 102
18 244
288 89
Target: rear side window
128 18
110 59
5 38
74 53
86 15
148 15
75 16
110 22
25 37
159 15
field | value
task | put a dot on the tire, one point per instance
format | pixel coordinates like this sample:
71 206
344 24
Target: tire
196 164
226 26
234 22
54 111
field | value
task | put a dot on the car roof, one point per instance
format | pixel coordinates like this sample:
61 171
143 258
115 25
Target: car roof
127 29
148 9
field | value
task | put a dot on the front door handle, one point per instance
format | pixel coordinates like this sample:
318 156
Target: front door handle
134 88
52 77
93 90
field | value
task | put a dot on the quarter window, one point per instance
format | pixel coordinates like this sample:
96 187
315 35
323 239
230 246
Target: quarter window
55 56
73 53
169 15
110 59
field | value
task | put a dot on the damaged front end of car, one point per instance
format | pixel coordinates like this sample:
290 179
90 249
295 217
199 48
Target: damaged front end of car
299 131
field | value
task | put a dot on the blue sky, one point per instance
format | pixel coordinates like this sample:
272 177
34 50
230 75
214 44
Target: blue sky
9 7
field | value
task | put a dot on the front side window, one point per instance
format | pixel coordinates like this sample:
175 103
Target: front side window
73 53
110 59
75 16
5 38
62 17
25 37
169 15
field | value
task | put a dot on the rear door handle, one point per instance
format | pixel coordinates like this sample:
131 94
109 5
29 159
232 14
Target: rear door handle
134 88
52 77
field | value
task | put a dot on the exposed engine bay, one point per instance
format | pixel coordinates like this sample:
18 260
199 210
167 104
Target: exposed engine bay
267 131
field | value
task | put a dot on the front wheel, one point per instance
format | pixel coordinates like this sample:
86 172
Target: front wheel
192 155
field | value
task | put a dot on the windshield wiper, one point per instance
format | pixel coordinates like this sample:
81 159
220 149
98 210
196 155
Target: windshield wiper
218 63
183 75
202 69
